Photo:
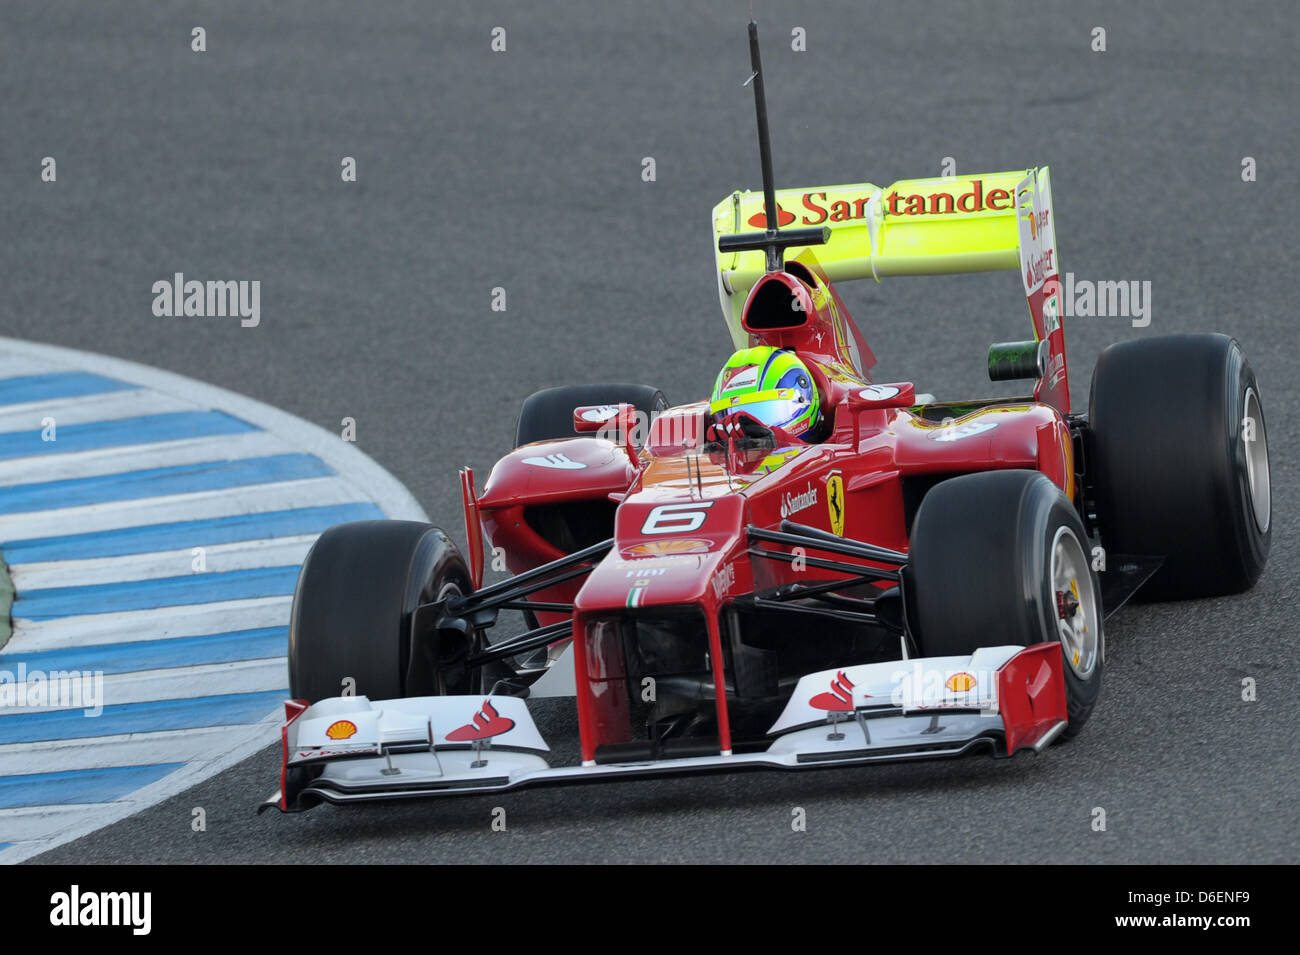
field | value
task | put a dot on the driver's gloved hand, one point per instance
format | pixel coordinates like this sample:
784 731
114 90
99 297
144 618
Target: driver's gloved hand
734 426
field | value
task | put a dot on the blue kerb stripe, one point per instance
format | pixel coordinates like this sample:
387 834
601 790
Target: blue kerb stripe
109 658
157 482
79 785
59 384
204 533
153 717
54 602
146 429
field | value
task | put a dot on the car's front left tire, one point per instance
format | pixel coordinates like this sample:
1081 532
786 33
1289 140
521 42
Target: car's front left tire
1001 558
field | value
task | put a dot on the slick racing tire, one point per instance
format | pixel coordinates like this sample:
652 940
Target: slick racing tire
1001 558
1180 462
547 415
352 608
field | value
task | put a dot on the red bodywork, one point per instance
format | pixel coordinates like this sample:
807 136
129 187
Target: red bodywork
694 552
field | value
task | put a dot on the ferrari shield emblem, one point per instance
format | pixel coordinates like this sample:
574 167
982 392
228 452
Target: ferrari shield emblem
835 502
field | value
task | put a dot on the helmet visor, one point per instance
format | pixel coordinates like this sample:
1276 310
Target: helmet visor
779 408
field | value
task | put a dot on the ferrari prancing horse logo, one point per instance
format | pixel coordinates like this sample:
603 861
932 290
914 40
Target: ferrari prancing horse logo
835 502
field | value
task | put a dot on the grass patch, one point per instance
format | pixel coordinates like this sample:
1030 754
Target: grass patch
6 603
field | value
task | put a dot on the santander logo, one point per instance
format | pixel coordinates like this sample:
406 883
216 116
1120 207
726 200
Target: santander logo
759 219
817 209
794 503
840 697
486 724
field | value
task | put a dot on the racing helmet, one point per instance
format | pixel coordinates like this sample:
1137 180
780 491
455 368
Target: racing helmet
771 385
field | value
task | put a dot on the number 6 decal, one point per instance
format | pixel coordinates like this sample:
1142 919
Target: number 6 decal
676 518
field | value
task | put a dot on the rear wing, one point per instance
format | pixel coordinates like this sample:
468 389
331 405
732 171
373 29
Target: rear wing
948 225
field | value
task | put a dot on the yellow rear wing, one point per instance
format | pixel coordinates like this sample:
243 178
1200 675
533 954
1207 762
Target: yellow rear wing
914 227
940 226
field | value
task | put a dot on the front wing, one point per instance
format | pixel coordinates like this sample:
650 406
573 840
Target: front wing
350 749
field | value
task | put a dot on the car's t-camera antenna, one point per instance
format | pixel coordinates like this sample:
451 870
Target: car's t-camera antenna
774 241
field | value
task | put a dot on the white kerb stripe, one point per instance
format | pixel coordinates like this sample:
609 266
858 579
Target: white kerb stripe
139 457
193 506
85 409
160 623
101 752
218 558
181 683
37 822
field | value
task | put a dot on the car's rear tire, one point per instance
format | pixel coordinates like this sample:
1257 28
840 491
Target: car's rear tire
989 555
352 608
548 414
1175 471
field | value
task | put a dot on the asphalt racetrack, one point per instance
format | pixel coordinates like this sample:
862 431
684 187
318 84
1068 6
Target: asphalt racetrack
522 170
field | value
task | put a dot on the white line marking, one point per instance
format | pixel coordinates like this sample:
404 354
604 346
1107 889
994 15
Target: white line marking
159 623
195 505
83 409
101 752
138 457
180 683
20 366
218 558
39 822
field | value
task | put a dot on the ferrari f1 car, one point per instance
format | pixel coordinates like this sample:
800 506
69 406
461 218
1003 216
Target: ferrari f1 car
924 579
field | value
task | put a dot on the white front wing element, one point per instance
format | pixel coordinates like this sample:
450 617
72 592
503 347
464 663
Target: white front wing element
351 749
559 678
354 726
922 685
457 769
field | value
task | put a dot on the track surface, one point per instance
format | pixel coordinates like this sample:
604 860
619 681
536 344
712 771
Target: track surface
522 170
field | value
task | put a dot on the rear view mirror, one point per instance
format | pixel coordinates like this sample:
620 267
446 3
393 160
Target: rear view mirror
589 418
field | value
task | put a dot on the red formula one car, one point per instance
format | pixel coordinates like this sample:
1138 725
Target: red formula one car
902 578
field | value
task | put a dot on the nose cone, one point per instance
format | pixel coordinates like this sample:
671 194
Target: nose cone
668 551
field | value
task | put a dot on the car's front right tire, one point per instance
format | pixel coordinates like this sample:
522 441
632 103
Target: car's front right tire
350 625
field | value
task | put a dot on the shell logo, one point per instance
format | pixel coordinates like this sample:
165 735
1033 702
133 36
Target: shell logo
670 547
960 682
343 729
